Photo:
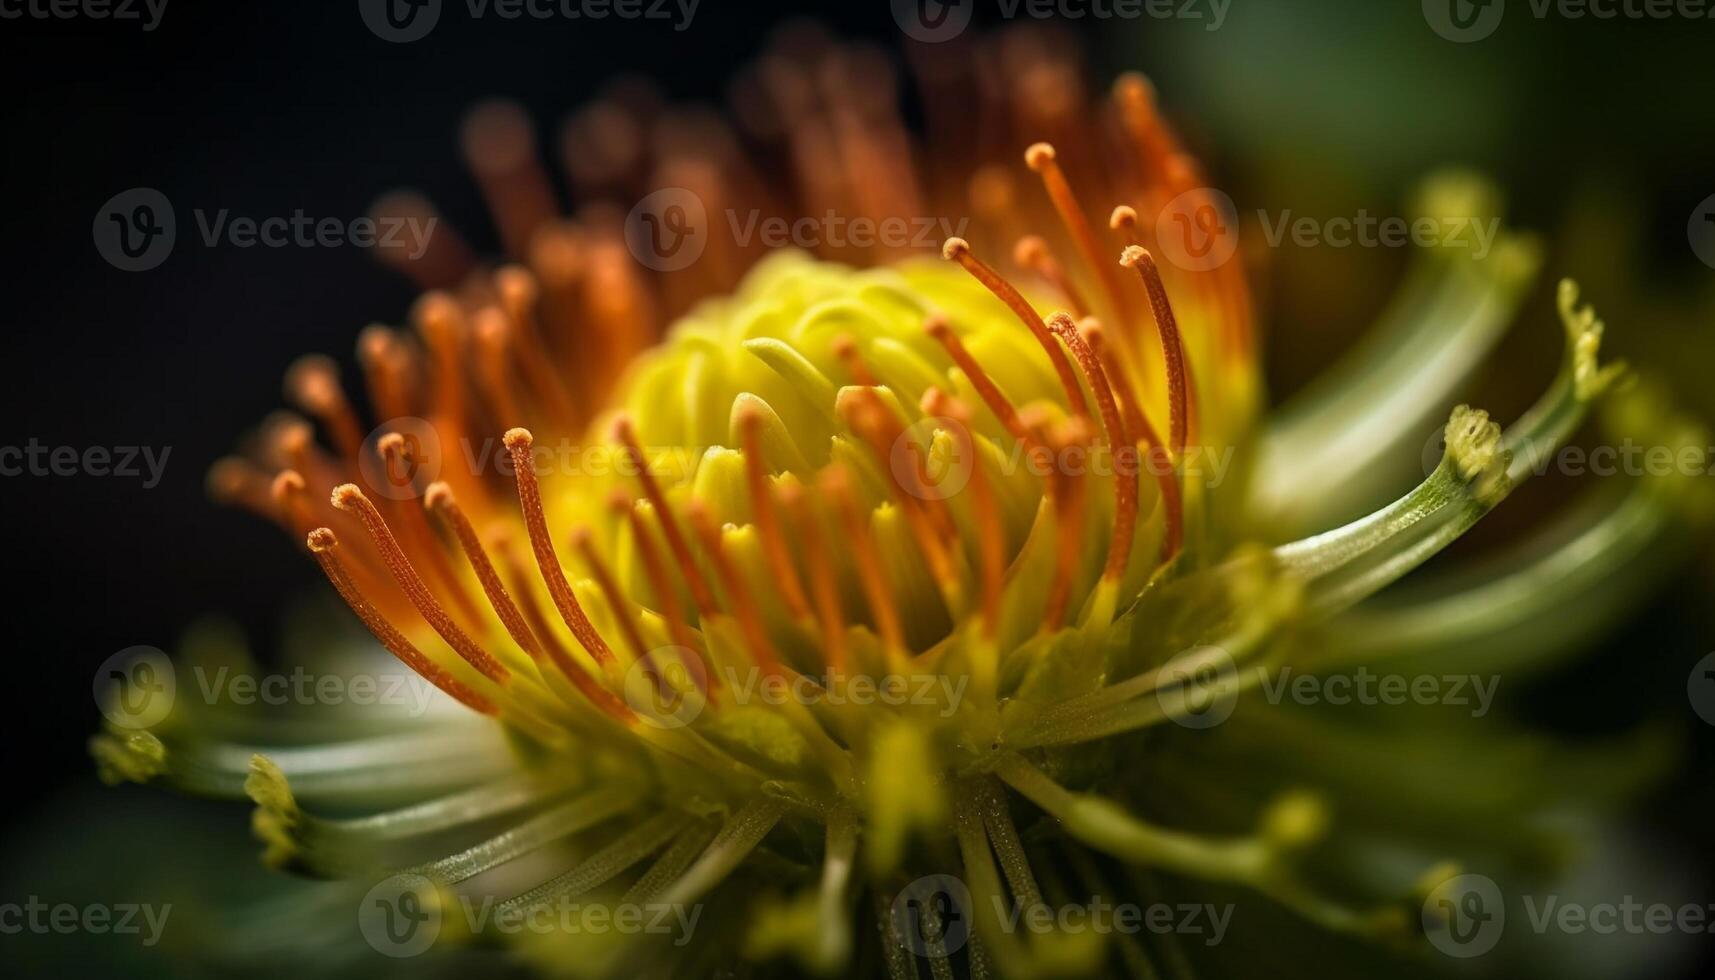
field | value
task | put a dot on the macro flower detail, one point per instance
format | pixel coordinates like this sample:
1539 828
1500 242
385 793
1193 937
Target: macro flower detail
830 573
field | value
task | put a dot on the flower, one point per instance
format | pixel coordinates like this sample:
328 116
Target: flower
886 565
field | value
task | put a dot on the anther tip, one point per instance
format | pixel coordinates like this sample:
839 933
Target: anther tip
437 495
1123 216
321 539
1038 156
952 248
518 438
286 483
345 495
937 325
390 443
1134 255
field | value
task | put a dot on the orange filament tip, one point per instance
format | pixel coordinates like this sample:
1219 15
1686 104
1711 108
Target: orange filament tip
498 138
518 438
321 539
313 382
438 495
1039 156
1030 251
953 248
286 483
938 326
1134 85
1135 255
1123 217
517 287
347 496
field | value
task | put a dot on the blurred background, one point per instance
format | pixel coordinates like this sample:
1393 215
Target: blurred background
1600 131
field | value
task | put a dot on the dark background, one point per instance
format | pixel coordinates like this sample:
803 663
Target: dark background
262 108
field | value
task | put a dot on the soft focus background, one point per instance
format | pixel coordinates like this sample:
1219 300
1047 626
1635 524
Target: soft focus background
1602 132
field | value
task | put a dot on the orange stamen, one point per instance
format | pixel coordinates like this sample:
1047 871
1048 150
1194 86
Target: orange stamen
739 600
1172 348
985 514
323 545
958 250
1041 158
627 435
312 382
440 502
1125 468
518 442
837 484
1032 253
822 583
1069 507
348 497
762 510
623 612
656 572
1140 432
